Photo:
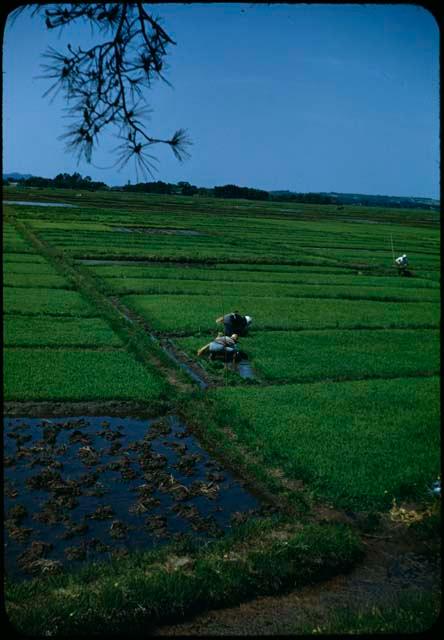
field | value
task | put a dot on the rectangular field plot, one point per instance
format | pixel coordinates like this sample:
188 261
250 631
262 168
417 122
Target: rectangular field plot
59 302
372 258
129 275
189 314
359 444
214 247
44 331
220 271
29 268
50 374
22 258
212 250
17 246
36 280
288 356
262 289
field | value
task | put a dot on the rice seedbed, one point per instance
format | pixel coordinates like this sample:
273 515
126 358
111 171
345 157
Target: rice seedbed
294 275
28 268
17 246
223 271
36 281
52 331
40 301
70 226
28 258
359 444
204 254
417 260
77 375
193 314
261 289
302 356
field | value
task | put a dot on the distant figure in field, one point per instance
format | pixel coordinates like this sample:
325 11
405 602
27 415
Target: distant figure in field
402 264
224 347
235 323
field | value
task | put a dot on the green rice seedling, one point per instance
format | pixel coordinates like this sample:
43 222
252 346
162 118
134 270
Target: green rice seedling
71 226
359 444
52 331
28 268
17 246
69 375
35 281
127 274
221 271
20 258
57 302
193 314
288 356
263 289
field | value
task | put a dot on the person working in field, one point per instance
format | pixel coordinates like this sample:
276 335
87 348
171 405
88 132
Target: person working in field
402 264
224 347
235 323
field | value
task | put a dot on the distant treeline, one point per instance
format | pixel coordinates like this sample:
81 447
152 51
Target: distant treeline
76 181
232 191
314 198
62 181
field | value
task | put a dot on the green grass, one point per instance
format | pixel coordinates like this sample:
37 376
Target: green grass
197 313
131 595
410 613
64 374
286 356
42 301
357 444
52 331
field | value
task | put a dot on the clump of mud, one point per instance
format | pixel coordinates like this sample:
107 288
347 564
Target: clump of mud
79 489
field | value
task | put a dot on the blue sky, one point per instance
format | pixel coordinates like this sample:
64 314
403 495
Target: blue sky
302 97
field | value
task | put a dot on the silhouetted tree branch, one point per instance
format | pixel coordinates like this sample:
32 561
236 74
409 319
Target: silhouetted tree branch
103 85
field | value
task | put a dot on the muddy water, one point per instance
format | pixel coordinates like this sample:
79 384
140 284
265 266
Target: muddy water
96 487
245 370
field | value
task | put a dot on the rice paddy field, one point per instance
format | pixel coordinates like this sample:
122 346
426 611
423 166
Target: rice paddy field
341 414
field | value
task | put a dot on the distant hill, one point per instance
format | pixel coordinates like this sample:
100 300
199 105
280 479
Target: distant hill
16 176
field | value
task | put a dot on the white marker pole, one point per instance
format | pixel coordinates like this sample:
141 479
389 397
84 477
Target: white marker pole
393 252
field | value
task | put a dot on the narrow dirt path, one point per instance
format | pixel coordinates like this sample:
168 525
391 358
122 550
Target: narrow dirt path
390 568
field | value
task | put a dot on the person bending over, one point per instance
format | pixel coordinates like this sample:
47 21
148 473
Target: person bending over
224 347
235 323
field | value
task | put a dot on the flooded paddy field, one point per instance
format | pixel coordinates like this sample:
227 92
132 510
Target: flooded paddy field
92 488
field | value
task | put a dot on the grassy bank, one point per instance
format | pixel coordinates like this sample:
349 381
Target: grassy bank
134 593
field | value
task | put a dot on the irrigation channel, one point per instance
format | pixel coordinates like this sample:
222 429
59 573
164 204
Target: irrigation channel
84 488
243 367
